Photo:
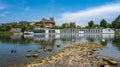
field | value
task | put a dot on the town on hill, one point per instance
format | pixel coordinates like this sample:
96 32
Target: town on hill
23 26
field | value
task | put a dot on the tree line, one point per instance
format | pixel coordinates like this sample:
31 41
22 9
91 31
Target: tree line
103 24
24 25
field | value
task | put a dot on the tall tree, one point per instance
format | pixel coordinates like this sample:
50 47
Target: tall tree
78 27
72 25
91 23
65 25
109 25
116 22
103 23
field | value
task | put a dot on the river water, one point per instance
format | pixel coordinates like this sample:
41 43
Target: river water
13 49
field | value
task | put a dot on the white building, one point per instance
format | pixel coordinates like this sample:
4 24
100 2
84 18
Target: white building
107 31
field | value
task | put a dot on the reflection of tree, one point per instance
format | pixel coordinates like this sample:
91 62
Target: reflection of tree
116 42
68 37
90 39
47 44
5 39
103 43
15 40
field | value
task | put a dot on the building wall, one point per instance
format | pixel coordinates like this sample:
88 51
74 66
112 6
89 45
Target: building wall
105 31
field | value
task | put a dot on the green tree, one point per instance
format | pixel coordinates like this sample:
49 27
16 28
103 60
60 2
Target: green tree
72 25
91 23
5 27
116 23
103 23
109 25
53 23
41 26
96 26
65 25
55 27
23 28
78 27
30 27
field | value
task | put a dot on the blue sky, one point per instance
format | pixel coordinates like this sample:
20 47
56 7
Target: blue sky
79 11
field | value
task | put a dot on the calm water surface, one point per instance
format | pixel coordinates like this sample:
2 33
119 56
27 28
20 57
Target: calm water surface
21 44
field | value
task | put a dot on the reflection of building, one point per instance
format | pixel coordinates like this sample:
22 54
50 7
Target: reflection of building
99 36
47 45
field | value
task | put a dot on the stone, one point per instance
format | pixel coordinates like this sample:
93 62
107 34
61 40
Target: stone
28 55
76 56
29 50
35 55
38 51
58 45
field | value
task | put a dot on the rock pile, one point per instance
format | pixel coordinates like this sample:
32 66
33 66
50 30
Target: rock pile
73 56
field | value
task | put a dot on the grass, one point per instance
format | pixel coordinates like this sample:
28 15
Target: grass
6 33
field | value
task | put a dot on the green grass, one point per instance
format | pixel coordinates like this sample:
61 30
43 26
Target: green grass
6 33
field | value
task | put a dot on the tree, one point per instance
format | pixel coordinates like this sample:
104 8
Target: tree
116 23
78 27
109 25
72 25
91 23
96 26
65 25
30 27
103 23
53 23
41 26
55 27
5 27
23 28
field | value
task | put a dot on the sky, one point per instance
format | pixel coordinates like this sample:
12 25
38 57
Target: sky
79 11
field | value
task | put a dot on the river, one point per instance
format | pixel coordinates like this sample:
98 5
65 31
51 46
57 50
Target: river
13 49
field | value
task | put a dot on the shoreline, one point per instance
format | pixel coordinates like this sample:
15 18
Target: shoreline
79 55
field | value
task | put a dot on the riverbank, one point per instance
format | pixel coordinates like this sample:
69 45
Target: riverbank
6 33
73 56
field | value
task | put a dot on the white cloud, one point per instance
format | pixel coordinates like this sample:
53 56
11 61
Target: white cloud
4 14
82 17
27 8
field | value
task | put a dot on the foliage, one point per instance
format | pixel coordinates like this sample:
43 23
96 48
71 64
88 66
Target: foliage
6 33
65 25
55 27
96 26
78 27
23 28
38 22
30 27
41 26
116 23
72 25
5 27
109 25
53 23
91 23
103 23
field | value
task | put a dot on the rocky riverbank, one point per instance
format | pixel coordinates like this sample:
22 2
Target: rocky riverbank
79 55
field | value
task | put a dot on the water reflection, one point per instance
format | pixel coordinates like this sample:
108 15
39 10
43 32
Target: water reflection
116 41
48 44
